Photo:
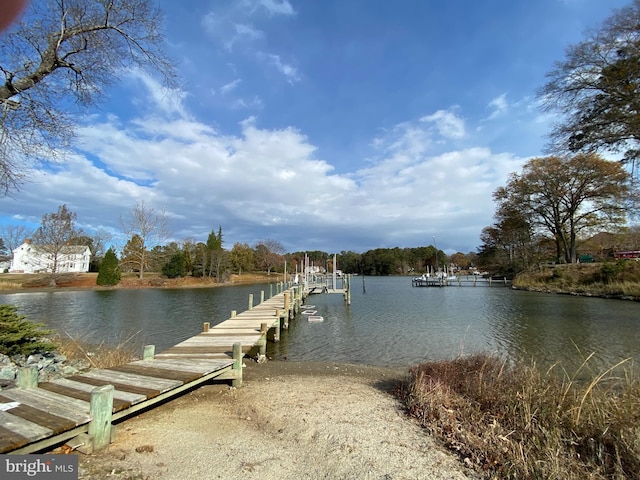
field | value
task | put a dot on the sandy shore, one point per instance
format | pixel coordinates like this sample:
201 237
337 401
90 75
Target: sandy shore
291 420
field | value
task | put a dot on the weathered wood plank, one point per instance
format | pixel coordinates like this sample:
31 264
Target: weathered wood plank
118 404
182 377
201 367
10 440
29 430
88 387
121 387
111 375
53 422
75 410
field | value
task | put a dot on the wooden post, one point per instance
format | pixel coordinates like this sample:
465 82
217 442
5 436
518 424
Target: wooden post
27 377
237 365
233 314
264 328
251 301
205 327
270 290
100 409
261 296
349 289
149 352
276 332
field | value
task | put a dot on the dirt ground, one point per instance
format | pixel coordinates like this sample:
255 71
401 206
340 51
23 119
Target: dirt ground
290 420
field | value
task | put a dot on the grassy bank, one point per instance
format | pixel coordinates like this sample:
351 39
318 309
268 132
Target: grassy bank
515 422
611 279
38 281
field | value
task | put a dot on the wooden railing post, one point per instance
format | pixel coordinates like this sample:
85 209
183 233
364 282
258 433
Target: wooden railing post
27 377
205 327
233 314
149 352
237 365
264 328
261 296
100 409
251 301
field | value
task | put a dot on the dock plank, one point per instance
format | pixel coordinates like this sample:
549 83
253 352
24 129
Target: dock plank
75 410
182 377
10 440
160 384
29 430
118 403
119 386
129 397
53 422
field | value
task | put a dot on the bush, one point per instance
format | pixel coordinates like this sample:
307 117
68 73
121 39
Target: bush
175 267
19 336
109 273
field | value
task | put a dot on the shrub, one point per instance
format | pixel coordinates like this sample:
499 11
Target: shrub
19 336
175 267
109 273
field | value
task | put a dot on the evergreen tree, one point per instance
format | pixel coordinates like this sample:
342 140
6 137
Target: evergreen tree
175 267
19 336
109 273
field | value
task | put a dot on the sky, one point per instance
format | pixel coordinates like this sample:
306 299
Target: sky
330 125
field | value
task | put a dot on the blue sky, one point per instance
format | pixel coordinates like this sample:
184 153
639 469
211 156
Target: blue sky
326 125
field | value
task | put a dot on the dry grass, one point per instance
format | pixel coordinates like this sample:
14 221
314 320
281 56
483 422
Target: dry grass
98 355
610 279
513 421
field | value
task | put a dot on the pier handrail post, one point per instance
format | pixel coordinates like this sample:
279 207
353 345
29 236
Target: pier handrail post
100 409
270 290
264 328
27 377
237 365
205 327
148 352
251 301
261 296
233 313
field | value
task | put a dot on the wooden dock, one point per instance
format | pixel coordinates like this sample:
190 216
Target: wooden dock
80 410
460 281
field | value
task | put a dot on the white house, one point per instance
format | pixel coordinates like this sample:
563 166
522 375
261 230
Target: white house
30 258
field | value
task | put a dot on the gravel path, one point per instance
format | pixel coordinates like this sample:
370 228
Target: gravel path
290 421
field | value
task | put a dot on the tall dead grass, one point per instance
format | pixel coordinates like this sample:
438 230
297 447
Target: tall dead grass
98 355
516 422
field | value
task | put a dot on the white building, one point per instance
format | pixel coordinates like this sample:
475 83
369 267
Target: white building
30 258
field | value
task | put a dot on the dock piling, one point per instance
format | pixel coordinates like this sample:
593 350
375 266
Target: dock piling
101 408
237 365
149 352
27 377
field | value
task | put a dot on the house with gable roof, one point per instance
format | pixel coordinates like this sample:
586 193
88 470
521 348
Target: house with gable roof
30 258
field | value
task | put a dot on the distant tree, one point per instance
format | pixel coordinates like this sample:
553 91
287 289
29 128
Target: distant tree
269 254
109 273
597 89
147 228
565 197
19 336
61 57
242 258
175 267
216 255
56 232
14 236
190 255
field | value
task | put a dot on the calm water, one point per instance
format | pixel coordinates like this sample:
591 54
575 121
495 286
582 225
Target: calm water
387 323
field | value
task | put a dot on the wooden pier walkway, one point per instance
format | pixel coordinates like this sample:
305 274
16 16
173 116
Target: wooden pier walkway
80 410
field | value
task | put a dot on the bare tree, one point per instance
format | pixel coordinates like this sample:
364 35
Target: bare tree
150 228
269 253
54 237
14 236
63 58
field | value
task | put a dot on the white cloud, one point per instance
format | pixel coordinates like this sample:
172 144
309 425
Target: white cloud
227 88
275 7
449 125
499 106
289 71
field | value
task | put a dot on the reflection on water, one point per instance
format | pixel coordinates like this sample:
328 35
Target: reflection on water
391 323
